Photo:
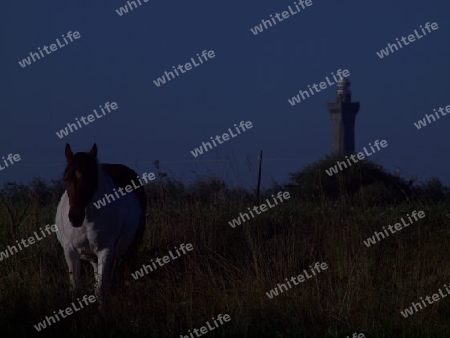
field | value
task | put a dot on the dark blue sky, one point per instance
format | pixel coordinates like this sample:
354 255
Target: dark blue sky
251 77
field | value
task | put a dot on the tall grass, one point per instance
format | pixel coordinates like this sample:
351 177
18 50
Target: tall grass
231 269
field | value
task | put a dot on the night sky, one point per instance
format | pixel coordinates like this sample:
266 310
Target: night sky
117 58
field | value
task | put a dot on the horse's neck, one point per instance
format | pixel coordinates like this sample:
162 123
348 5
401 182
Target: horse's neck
104 182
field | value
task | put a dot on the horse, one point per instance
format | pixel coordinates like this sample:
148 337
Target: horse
98 235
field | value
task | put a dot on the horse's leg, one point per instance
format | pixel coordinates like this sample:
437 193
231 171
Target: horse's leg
105 260
131 255
96 275
73 262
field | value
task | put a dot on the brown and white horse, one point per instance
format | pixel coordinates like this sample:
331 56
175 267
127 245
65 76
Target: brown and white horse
98 235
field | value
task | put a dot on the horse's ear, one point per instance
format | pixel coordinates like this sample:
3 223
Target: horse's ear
93 152
68 152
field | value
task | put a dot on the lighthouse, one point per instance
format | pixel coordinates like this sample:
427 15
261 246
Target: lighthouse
343 113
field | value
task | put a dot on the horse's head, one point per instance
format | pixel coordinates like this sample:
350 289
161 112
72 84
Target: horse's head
81 178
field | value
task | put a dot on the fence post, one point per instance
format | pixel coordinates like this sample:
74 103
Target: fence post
259 178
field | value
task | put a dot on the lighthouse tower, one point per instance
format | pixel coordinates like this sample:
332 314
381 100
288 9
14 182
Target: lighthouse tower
343 113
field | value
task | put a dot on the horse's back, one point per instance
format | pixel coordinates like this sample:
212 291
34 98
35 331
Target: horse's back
122 176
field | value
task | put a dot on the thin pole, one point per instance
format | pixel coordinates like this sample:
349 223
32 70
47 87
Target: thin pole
259 178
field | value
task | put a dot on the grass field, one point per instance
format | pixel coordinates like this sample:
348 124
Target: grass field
230 270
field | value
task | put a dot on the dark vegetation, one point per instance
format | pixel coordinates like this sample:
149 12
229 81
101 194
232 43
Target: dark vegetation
230 270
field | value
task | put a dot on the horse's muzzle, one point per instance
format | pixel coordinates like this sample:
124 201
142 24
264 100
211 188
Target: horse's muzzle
76 218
